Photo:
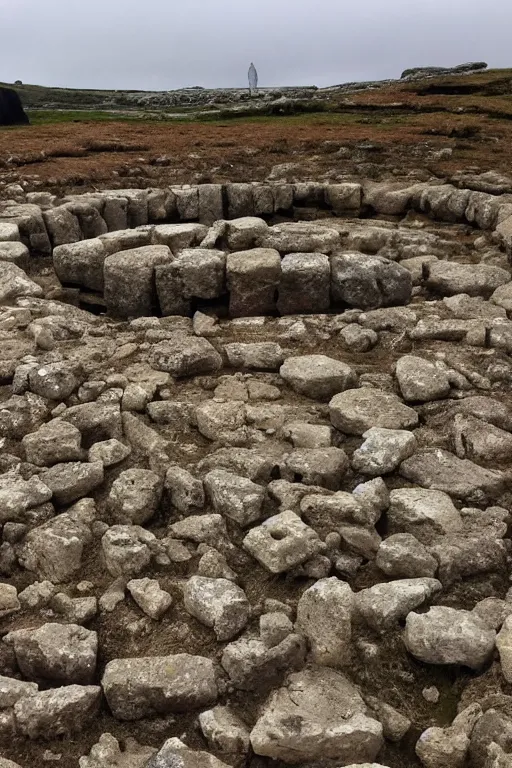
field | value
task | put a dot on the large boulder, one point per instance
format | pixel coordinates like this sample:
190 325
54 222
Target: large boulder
358 410
317 715
11 110
449 636
142 687
317 376
369 282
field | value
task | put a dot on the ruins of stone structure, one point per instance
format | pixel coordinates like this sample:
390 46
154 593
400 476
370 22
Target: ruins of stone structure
255 476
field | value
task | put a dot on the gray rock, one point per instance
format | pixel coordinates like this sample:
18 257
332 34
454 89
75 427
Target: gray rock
61 711
81 263
477 440
109 452
222 422
158 685
55 549
304 284
504 646
402 556
135 496
420 380
383 605
175 753
251 665
186 491
324 467
64 653
106 753
274 628
262 356
130 281
301 237
55 381
72 480
368 282
11 690
17 496
9 602
383 451
53 443
423 513
449 636
149 597
127 549
217 603
15 283
189 356
282 542
318 715
252 279
358 410
317 376
324 616
449 278
358 339
442 471
235 497
225 731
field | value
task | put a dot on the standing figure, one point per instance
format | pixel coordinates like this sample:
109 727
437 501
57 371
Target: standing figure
253 79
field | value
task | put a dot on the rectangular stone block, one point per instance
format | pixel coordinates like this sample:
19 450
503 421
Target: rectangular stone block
305 284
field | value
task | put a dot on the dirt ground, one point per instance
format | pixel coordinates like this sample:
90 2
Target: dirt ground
81 156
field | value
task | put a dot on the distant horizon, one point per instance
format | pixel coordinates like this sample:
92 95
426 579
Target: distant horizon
261 86
160 45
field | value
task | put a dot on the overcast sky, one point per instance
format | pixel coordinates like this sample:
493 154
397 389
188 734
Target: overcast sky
165 44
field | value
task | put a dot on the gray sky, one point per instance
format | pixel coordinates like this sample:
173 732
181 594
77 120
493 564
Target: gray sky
164 44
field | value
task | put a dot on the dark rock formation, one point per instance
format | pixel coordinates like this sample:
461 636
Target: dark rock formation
11 110
472 66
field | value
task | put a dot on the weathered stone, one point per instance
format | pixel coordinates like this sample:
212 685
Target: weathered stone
449 278
252 279
449 636
190 356
64 653
135 496
304 284
17 496
149 597
368 282
403 556
235 497
265 356
324 467
55 381
81 263
318 715
217 603
72 480
225 731
130 282
420 380
186 491
383 450
54 550
251 665
158 685
324 616
442 471
126 549
282 542
317 376
61 711
53 443
383 605
357 410
423 513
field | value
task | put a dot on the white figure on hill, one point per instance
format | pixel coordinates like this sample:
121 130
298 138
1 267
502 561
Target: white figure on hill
253 79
